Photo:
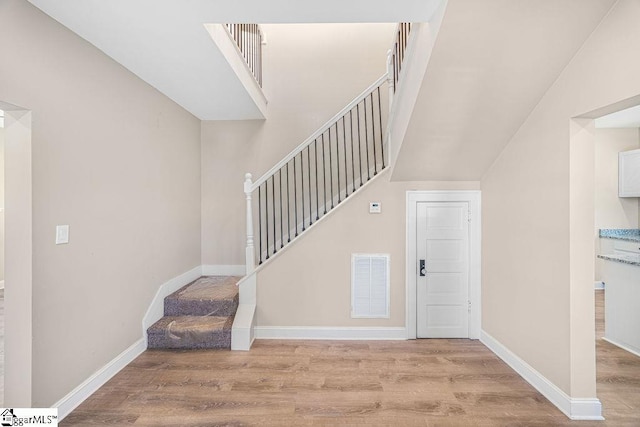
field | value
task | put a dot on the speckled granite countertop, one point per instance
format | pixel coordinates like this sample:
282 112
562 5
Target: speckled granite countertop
631 259
631 235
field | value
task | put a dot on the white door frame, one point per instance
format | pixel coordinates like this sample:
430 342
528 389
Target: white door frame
475 242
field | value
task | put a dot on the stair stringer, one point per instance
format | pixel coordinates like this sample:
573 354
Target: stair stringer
419 48
243 329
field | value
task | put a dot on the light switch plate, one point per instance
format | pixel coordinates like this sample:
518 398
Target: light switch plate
62 234
375 207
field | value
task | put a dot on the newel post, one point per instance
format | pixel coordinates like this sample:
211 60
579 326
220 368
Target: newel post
250 255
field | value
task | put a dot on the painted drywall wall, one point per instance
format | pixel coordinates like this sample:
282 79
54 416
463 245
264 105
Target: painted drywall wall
310 73
538 254
612 211
309 284
18 319
491 63
2 205
119 163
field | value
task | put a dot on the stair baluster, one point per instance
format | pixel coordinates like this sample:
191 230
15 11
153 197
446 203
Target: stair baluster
336 165
359 158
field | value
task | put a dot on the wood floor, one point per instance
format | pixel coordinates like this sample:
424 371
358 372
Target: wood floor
334 383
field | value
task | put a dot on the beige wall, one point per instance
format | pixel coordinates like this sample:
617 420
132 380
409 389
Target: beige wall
612 211
311 72
309 284
18 319
119 163
1 203
538 213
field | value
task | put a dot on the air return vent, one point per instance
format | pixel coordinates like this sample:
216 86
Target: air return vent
370 285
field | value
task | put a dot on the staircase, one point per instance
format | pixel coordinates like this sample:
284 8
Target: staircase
350 150
335 162
199 315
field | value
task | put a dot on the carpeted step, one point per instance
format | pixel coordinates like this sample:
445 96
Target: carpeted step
207 296
192 332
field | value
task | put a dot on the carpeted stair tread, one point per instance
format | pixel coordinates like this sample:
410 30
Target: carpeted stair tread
191 332
206 296
199 315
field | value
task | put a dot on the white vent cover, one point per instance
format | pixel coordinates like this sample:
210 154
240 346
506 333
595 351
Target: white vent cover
370 285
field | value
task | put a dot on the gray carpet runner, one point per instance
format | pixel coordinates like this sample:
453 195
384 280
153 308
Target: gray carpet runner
199 315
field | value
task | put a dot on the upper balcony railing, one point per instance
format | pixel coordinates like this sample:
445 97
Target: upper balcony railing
399 50
248 38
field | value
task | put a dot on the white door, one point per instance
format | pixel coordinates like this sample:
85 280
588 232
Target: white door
443 269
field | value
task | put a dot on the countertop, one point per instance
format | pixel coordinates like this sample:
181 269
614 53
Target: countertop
625 234
630 235
631 259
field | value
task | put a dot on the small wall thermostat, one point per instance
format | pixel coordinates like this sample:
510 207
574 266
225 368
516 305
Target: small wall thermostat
375 207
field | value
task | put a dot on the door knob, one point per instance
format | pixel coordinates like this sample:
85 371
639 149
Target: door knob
423 268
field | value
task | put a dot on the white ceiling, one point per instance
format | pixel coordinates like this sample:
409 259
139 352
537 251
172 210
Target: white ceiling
492 62
165 43
629 118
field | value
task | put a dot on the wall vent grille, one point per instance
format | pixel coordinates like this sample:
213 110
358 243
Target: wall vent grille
370 286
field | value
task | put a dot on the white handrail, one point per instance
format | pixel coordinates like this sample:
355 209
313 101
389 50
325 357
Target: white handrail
317 133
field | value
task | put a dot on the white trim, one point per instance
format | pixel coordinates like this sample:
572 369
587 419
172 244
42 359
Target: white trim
156 308
317 133
243 329
98 379
104 374
244 323
622 346
329 333
598 285
586 409
234 57
575 409
1 284
224 270
473 197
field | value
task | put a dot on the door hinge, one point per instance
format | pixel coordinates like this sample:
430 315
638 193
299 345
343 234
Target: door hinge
469 305
469 213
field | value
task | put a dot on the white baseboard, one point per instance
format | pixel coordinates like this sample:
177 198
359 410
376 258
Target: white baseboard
104 374
224 270
575 409
598 285
329 333
243 330
586 409
622 346
156 308
98 379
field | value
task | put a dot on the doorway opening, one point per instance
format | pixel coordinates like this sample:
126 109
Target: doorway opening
598 213
443 264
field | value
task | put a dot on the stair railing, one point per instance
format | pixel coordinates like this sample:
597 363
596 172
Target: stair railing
317 176
398 51
328 167
248 38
